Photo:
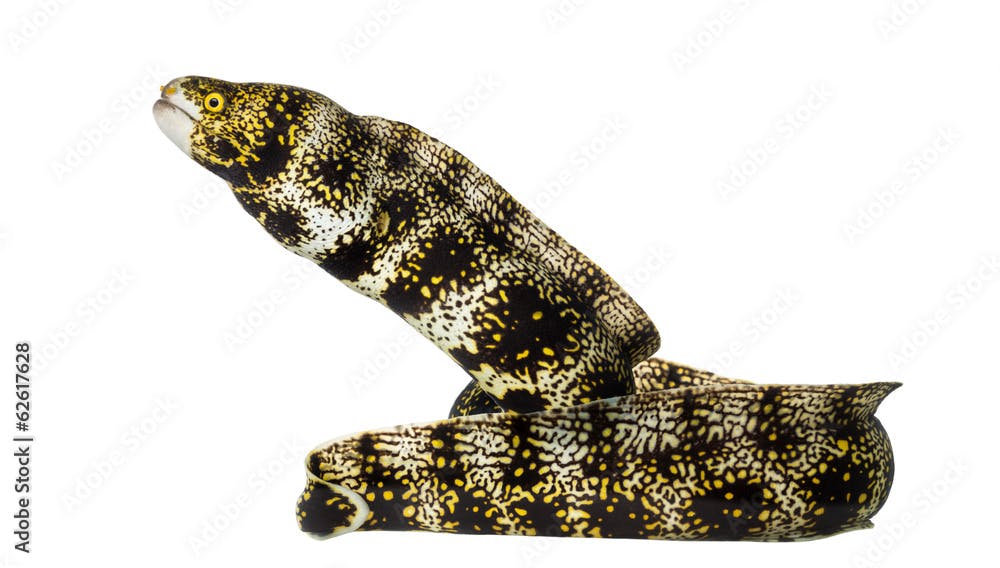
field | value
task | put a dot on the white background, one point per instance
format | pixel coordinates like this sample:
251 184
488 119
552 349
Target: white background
185 362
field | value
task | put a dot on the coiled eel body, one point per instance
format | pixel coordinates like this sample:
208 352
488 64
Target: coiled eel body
568 427
753 462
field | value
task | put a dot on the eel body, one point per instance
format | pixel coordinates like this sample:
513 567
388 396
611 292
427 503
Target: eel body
406 220
723 461
649 375
568 426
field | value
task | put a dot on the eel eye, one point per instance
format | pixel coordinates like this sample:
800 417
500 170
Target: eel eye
214 102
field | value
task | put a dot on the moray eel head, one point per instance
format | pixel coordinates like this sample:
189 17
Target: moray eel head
327 509
292 156
247 133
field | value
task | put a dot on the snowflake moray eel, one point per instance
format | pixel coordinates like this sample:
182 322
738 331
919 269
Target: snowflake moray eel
568 426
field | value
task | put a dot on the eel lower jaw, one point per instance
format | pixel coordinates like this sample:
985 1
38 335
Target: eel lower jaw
175 123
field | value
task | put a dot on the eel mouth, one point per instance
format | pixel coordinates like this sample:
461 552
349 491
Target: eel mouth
164 101
176 114
175 123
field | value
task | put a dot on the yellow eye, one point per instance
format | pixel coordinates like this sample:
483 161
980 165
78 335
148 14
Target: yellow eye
214 102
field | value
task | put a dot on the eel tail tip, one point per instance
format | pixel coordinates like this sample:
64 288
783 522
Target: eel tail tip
865 399
325 510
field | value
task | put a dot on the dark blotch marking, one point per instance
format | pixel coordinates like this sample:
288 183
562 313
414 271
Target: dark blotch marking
523 332
337 172
446 258
350 260
322 518
523 400
831 492
273 160
225 150
748 497
473 400
397 159
274 156
285 224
